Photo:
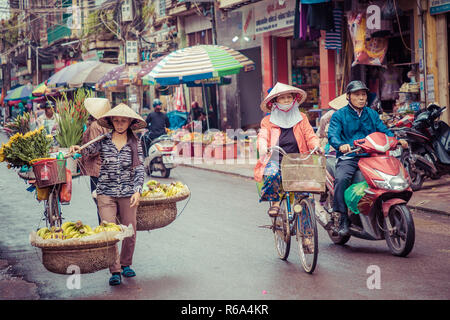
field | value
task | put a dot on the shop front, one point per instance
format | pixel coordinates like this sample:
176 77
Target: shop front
294 51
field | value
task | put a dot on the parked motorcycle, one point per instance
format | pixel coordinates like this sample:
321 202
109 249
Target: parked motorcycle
383 211
428 154
159 154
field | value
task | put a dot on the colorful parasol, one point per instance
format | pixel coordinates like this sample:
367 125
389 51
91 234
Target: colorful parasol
91 75
197 63
39 90
20 93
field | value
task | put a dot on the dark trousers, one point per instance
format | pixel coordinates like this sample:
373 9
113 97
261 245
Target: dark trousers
94 181
345 170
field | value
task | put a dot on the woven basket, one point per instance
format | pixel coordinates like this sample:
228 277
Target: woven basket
157 213
89 257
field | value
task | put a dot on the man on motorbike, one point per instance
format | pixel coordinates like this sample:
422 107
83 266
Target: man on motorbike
157 122
353 122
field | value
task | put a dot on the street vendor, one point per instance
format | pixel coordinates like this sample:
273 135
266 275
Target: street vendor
90 163
49 119
120 180
287 128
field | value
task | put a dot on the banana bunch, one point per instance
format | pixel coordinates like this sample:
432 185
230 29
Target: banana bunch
155 189
76 230
52 233
107 226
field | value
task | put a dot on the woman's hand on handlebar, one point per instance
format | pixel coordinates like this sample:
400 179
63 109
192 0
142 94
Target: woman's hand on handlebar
74 149
319 150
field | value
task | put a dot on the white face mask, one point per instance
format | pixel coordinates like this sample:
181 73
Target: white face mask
288 118
284 107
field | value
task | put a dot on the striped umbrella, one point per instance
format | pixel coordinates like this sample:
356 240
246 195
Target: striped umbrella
198 63
63 76
19 93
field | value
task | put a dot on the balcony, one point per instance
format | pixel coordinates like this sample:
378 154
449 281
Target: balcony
58 32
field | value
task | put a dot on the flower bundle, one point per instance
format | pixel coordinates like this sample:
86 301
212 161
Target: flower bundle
22 148
72 118
20 124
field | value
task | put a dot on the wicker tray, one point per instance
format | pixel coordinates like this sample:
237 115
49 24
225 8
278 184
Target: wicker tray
154 213
89 257
28 175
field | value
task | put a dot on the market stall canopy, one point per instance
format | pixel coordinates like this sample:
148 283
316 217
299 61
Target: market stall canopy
145 68
197 63
124 75
20 93
40 89
91 75
65 75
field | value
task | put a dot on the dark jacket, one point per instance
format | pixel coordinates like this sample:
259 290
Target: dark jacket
157 122
346 126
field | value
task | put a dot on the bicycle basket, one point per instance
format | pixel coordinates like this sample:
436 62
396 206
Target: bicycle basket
303 172
49 172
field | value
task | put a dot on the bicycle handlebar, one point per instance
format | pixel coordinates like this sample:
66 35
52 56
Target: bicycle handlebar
284 153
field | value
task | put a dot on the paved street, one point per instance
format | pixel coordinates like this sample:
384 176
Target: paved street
215 250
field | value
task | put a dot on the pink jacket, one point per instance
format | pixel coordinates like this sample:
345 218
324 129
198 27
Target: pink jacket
270 133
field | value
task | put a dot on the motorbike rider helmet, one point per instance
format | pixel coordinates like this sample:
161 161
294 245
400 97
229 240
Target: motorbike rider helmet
156 102
356 85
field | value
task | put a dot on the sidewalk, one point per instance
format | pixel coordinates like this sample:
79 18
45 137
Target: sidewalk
434 197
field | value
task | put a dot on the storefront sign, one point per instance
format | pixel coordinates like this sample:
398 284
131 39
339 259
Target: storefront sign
271 15
439 6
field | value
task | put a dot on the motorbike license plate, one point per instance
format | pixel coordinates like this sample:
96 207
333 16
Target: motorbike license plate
167 159
397 152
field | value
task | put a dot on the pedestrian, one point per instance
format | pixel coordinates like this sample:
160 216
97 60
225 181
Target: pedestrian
322 131
90 163
49 119
120 179
157 122
287 128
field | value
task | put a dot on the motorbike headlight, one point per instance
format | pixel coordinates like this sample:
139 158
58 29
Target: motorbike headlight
396 183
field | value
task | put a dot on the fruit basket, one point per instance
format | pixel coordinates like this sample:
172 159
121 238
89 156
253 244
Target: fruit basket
90 251
157 208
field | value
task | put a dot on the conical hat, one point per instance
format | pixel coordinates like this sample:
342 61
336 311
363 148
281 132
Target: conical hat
122 110
279 89
338 102
97 106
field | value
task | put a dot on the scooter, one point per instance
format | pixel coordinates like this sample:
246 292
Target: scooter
428 154
159 154
383 211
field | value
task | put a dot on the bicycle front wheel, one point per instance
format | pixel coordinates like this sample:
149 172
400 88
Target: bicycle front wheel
306 235
282 232
53 208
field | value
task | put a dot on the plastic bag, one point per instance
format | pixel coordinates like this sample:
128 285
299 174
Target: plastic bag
353 195
65 194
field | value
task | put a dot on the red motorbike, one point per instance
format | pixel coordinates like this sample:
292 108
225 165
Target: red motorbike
383 211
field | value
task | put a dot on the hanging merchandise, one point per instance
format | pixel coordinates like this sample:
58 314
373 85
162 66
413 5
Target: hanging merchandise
179 102
366 51
333 39
320 16
301 29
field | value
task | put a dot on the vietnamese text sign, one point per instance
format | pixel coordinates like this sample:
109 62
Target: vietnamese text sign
270 15
439 6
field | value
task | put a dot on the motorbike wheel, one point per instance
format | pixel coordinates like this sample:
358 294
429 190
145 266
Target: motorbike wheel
416 177
165 173
400 239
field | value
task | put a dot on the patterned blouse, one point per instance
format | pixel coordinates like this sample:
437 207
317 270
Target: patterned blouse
117 178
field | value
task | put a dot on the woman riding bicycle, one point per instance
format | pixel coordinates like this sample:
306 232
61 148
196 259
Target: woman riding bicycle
287 128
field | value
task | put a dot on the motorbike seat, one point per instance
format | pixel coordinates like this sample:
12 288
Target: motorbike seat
331 168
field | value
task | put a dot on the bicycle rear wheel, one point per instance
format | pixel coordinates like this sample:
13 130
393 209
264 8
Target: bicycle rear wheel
282 232
306 235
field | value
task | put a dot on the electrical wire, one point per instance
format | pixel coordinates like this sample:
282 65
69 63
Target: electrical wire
399 26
